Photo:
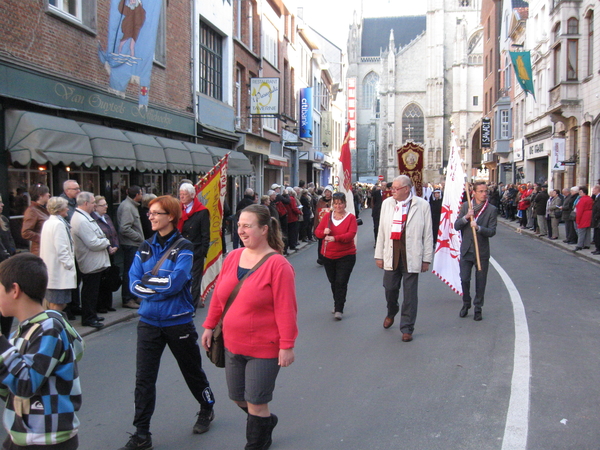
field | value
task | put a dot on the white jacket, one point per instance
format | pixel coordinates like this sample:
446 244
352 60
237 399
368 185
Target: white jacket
91 245
419 235
56 249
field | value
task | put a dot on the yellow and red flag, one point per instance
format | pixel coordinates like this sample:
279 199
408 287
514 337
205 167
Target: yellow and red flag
211 190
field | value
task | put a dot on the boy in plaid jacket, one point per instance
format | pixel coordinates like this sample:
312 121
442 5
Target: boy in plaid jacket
38 364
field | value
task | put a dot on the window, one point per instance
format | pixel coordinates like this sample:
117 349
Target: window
504 124
572 59
160 48
238 22
557 51
270 42
507 73
464 3
413 124
211 62
238 98
250 25
370 87
79 12
573 26
70 7
475 100
590 58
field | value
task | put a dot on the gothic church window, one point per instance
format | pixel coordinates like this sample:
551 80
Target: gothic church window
413 124
370 86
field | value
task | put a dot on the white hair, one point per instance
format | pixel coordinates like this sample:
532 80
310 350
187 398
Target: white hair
575 189
189 188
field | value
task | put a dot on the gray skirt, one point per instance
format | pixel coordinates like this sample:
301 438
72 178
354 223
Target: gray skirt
58 296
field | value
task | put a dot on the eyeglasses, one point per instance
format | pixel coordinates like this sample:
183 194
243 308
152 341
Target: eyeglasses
102 205
398 189
73 189
153 214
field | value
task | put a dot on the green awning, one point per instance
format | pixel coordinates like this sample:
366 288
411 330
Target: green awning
202 160
110 147
178 156
43 138
148 152
239 164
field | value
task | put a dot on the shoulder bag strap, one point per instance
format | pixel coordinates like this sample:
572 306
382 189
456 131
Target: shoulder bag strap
165 256
238 286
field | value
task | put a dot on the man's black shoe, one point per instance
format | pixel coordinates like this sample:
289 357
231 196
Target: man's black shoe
99 319
464 311
137 442
477 316
94 324
205 417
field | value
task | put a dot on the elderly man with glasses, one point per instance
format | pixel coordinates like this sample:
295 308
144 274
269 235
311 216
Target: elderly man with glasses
404 248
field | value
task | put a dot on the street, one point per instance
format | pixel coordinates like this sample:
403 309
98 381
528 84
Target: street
355 385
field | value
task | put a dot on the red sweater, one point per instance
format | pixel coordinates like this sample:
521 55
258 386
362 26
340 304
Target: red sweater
344 237
262 318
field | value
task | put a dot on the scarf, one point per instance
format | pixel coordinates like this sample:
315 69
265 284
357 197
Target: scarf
478 209
197 206
399 218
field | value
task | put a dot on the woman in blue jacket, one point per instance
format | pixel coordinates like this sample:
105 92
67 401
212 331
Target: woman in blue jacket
166 314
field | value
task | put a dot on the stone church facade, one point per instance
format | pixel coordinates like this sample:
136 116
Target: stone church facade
418 77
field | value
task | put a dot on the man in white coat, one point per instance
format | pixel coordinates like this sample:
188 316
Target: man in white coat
404 249
91 251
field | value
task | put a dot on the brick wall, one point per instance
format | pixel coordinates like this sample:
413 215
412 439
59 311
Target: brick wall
32 36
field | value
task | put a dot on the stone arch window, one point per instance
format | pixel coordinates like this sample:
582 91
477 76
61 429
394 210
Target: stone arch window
413 124
370 87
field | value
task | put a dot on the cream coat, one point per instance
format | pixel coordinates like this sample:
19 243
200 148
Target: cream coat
91 245
56 249
419 235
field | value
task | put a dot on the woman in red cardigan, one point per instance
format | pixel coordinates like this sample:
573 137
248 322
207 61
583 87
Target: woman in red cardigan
338 229
260 327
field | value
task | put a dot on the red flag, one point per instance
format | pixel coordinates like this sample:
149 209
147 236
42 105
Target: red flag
345 172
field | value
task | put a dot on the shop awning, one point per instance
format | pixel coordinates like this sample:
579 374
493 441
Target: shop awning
43 138
201 159
148 152
110 147
178 156
239 164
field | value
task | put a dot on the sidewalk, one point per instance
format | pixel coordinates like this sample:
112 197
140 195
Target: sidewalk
123 314
584 254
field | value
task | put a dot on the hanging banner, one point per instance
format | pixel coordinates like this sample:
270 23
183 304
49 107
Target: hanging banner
306 125
558 154
410 163
486 133
264 96
131 41
522 66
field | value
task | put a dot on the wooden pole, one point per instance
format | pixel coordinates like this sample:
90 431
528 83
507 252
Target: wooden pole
467 188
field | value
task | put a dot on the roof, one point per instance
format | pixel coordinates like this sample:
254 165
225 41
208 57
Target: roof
376 32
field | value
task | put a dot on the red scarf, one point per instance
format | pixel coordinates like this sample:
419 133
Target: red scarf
197 206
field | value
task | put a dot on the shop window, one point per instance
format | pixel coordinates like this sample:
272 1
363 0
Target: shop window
153 184
119 185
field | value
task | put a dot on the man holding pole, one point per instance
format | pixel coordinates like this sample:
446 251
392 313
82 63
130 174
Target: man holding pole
476 218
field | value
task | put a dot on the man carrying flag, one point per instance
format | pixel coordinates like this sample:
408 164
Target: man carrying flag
475 221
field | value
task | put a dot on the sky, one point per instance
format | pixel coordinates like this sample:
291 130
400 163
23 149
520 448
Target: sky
332 18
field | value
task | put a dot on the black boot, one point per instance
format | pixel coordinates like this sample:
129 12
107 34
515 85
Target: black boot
465 310
258 432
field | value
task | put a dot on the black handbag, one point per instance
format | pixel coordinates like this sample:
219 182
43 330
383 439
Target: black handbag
216 351
111 278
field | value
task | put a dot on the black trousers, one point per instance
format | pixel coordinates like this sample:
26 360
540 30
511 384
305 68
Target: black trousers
338 273
570 229
292 235
183 342
197 273
466 267
128 257
90 289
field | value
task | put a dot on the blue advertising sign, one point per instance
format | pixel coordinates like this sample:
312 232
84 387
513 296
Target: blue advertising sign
306 122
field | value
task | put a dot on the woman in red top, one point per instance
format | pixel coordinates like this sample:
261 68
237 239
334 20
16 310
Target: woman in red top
583 211
338 229
260 327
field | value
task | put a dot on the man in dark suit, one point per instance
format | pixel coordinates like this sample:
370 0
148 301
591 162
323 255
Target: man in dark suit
480 217
596 219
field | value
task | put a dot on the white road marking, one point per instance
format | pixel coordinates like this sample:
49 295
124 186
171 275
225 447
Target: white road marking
517 416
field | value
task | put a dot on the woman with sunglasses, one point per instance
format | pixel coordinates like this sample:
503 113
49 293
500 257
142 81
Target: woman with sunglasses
338 229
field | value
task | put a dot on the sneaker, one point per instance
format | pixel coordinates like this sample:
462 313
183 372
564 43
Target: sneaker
338 316
131 304
205 417
138 443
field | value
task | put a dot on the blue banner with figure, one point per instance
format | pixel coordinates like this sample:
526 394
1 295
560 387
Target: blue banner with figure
130 47
306 124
